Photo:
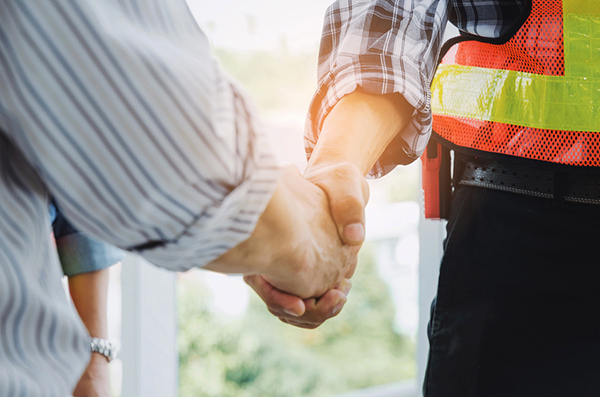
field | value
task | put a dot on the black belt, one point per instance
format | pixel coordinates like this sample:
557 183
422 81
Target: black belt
538 182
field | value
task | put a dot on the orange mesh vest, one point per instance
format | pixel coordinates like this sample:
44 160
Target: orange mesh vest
537 96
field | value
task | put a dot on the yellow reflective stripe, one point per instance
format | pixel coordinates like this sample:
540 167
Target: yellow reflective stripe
570 102
581 7
581 34
527 99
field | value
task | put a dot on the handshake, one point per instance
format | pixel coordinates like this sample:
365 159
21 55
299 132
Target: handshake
303 250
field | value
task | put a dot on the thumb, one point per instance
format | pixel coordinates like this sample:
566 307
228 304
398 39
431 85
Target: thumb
348 213
348 194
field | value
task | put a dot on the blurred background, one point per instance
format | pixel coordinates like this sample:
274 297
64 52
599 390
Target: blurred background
229 344
206 334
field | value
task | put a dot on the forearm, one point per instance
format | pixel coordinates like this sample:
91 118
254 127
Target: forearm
89 294
359 128
394 53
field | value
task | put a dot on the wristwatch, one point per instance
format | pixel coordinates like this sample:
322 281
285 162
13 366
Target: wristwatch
104 347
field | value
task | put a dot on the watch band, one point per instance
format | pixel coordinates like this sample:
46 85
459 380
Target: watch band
104 347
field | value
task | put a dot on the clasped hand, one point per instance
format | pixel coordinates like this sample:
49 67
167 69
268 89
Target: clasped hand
303 251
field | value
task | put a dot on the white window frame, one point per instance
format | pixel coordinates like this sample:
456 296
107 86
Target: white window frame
149 330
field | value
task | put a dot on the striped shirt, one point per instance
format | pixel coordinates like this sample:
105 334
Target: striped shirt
117 110
385 47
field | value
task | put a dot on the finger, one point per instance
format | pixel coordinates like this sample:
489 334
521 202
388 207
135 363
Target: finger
345 286
318 311
298 324
276 300
328 306
352 267
310 304
315 311
347 200
315 319
348 194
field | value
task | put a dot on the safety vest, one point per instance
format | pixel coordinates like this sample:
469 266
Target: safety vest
536 96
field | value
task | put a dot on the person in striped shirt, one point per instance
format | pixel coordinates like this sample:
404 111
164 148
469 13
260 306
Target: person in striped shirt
117 110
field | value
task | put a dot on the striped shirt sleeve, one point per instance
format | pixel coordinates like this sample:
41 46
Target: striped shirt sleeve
381 47
137 133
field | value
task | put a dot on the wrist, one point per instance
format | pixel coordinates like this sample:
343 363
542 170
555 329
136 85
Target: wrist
98 360
104 348
273 240
359 128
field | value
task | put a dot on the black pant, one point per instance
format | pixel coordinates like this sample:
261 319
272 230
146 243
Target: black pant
517 311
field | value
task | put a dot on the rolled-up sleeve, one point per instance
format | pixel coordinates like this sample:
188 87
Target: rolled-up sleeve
78 252
380 47
137 133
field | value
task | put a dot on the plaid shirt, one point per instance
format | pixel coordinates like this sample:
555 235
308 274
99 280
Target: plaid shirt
386 47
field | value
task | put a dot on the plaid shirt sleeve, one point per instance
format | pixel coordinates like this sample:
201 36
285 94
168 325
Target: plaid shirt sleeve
382 47
385 46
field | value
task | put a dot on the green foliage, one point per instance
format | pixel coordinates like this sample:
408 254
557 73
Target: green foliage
259 356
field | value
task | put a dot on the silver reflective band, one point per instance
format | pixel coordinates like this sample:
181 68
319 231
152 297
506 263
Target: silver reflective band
104 347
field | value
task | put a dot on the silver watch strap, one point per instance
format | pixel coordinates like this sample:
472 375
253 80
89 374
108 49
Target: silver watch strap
104 347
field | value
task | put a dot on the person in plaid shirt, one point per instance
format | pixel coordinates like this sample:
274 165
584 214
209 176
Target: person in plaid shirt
516 303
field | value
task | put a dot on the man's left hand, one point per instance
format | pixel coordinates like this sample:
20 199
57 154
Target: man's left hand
308 313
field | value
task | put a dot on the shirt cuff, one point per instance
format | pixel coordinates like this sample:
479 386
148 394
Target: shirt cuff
82 254
225 224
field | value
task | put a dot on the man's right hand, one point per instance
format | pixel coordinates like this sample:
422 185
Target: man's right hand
295 245
348 194
317 260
